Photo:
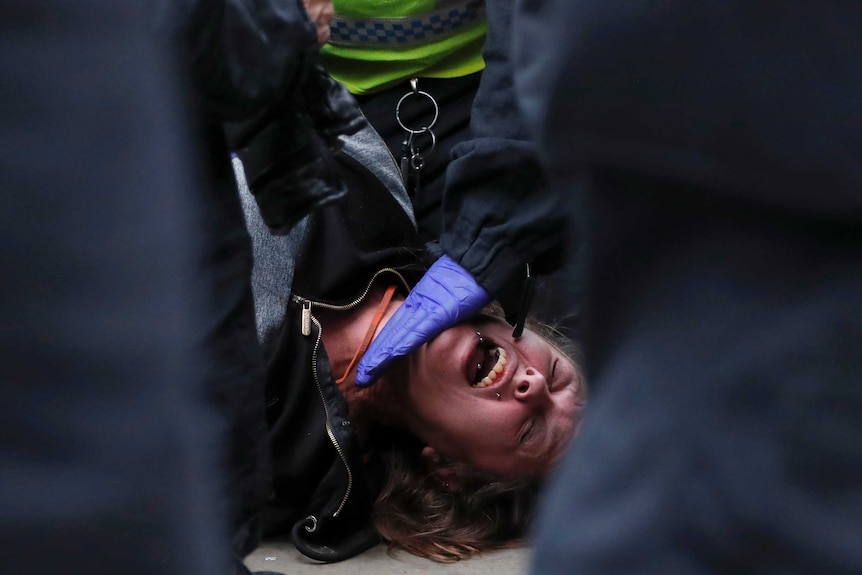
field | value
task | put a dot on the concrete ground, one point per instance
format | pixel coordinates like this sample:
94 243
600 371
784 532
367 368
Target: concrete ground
280 556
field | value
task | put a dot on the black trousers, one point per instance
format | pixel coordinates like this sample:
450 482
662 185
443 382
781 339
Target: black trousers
454 97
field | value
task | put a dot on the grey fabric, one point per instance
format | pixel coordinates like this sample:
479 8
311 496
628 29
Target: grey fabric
275 255
368 148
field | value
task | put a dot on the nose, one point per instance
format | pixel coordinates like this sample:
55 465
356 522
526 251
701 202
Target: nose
530 384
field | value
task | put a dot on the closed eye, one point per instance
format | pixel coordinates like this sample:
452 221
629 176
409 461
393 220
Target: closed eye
555 383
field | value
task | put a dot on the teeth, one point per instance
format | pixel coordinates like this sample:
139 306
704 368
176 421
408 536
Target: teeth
496 370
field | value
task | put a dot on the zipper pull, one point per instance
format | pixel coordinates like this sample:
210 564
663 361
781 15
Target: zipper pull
306 317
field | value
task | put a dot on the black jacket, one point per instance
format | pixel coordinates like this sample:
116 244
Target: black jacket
323 490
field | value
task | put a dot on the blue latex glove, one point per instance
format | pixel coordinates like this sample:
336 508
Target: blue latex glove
445 295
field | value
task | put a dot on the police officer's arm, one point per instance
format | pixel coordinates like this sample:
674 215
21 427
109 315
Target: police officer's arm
499 215
499 212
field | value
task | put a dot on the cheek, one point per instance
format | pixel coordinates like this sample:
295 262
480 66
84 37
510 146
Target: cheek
569 420
427 369
568 406
467 423
492 430
421 380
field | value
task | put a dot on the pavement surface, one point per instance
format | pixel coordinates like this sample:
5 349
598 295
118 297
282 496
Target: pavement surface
280 556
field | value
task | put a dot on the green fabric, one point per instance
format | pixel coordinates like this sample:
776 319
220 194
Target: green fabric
366 69
381 8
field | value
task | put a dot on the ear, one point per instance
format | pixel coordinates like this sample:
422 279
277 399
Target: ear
448 473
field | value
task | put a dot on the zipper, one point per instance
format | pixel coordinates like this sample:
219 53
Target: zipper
329 431
307 304
307 320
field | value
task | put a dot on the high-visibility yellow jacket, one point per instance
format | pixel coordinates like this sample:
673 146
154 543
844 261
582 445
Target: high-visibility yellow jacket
378 43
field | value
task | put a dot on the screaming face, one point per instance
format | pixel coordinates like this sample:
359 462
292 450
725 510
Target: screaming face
506 405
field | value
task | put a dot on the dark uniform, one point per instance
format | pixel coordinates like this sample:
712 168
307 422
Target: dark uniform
718 146
107 447
126 307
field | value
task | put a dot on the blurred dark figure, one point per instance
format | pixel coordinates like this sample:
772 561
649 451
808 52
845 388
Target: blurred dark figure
237 58
108 445
718 147
127 311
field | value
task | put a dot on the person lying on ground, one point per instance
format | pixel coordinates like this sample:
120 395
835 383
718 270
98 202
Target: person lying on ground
444 455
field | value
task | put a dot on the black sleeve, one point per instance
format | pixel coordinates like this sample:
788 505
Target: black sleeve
243 54
499 213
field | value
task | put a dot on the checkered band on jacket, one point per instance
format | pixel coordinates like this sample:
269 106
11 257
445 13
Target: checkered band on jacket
449 18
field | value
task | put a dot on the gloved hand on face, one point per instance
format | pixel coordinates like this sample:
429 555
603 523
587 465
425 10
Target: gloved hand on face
445 295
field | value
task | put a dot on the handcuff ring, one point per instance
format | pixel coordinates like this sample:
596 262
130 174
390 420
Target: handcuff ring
416 92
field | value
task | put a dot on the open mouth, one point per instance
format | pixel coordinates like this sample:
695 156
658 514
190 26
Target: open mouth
489 361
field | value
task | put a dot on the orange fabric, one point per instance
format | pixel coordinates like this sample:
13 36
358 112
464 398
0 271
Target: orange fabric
369 335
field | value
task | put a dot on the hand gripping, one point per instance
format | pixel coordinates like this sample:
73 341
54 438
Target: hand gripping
446 295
